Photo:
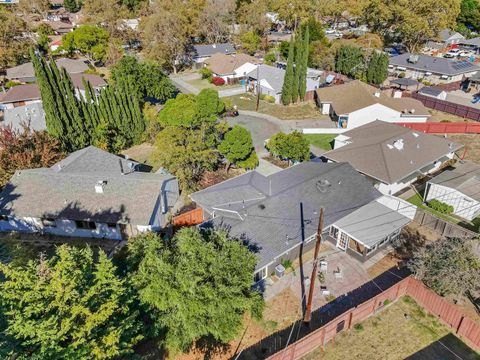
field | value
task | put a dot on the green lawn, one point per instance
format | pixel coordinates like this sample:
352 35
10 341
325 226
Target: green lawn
306 110
322 141
417 200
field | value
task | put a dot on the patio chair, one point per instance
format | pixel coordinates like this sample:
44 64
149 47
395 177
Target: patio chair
338 273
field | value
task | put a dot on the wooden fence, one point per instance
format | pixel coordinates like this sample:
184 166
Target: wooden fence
442 227
435 304
449 107
444 127
189 218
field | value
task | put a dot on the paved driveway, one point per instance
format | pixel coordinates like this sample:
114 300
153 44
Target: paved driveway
260 128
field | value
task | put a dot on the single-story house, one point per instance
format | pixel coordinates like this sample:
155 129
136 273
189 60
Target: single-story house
471 44
277 215
91 194
61 27
392 156
431 68
31 114
25 72
449 37
200 53
459 187
96 81
433 91
55 42
356 103
271 81
20 95
231 66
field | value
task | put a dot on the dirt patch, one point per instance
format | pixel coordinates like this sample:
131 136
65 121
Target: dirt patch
211 178
440 116
280 312
383 265
277 162
472 145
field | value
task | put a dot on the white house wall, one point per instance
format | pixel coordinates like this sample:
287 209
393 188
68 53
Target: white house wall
244 69
380 112
63 228
464 206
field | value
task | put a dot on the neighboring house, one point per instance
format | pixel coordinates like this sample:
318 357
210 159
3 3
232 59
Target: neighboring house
471 44
61 27
96 81
55 43
459 187
391 156
277 215
275 37
201 53
231 66
20 95
91 194
449 37
431 68
25 72
31 114
356 103
271 81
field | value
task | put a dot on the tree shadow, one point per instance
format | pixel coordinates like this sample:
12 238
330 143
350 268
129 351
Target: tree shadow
408 242
210 347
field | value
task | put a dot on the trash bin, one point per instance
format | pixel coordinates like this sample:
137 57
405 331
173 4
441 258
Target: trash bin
279 270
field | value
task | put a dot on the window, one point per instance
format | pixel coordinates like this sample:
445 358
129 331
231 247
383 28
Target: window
49 222
89 225
333 232
260 275
340 326
112 225
3 218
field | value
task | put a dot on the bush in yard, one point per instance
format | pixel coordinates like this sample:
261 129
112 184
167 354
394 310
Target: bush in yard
218 81
293 147
270 58
441 207
269 99
206 73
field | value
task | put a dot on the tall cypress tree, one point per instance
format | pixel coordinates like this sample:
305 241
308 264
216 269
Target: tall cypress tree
287 89
297 71
302 87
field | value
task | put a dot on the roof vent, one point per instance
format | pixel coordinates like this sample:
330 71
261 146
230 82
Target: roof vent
418 146
398 144
415 134
413 59
323 185
377 94
99 186
261 207
214 46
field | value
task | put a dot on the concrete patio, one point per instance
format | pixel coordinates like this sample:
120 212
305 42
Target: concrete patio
353 274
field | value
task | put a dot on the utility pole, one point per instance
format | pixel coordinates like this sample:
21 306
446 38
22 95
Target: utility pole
258 87
308 310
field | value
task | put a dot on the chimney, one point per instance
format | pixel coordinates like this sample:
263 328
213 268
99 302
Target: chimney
99 186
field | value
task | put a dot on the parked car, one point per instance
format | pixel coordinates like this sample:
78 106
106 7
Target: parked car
338 34
453 53
330 31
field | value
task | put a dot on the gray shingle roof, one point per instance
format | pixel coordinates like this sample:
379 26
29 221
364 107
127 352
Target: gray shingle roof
67 190
73 66
434 65
20 93
473 42
266 209
209 50
463 177
273 75
373 150
430 91
32 114
448 34
371 223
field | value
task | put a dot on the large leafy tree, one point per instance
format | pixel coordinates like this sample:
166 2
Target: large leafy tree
469 16
68 307
197 285
449 266
237 147
148 78
412 22
187 152
13 45
88 39
350 60
26 149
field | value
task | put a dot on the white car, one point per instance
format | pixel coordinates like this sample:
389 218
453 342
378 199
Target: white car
330 31
452 53
338 34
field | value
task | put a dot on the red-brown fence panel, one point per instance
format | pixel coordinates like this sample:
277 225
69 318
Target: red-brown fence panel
189 218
